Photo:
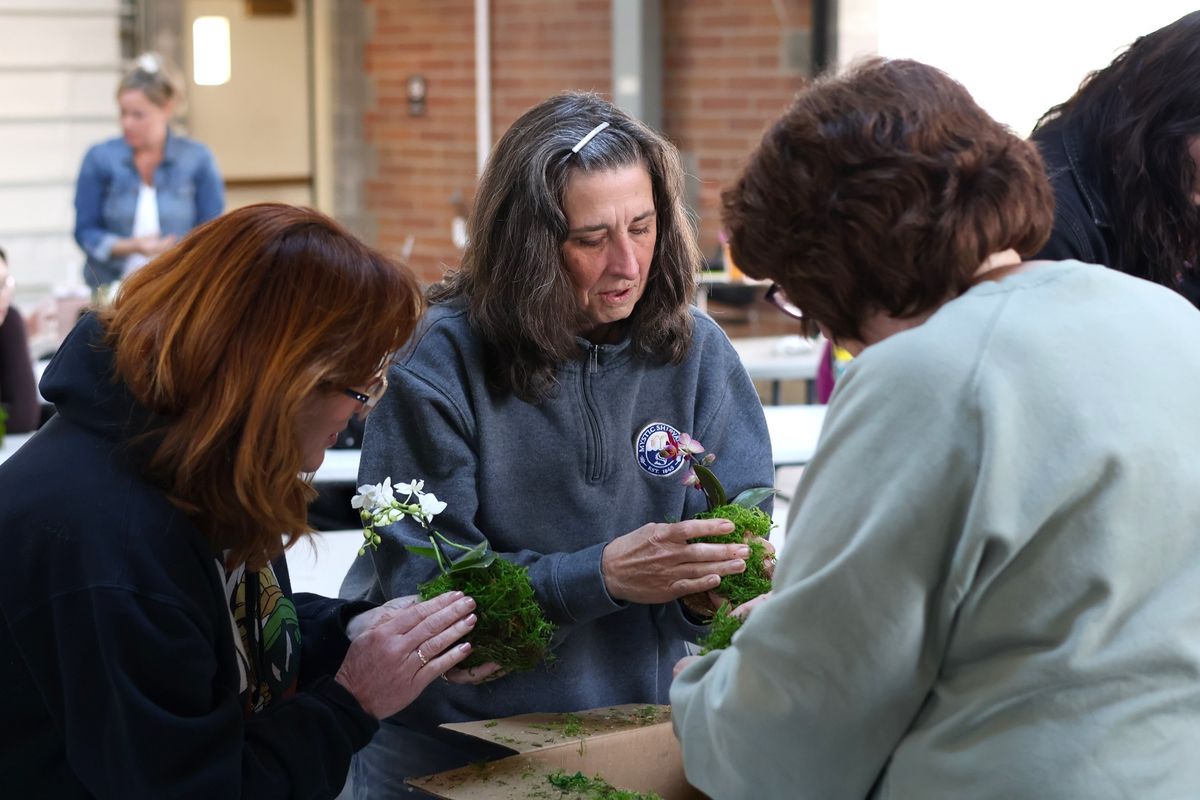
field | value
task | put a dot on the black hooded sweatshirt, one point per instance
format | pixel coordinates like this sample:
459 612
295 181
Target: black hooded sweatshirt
118 658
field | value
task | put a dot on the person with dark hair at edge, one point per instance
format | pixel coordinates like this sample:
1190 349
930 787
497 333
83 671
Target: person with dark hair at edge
1123 155
152 645
533 399
18 387
137 194
989 588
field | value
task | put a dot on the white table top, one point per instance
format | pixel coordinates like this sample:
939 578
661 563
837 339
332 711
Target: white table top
779 358
339 467
12 442
794 432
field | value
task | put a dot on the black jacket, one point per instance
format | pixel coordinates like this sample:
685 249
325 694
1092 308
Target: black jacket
1083 222
117 655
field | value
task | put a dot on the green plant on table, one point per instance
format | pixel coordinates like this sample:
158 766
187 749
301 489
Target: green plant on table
512 630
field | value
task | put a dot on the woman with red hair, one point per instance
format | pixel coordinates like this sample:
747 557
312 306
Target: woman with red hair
152 644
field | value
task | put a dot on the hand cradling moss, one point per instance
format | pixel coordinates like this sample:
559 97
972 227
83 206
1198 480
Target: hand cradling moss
512 630
750 525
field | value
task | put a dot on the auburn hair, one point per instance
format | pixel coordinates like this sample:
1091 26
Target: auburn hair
225 336
884 189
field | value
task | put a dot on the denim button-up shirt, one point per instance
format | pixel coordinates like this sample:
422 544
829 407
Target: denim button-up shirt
189 188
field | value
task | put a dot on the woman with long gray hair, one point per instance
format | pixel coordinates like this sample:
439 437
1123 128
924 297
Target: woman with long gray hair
532 399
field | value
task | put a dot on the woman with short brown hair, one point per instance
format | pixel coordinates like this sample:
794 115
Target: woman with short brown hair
988 589
152 648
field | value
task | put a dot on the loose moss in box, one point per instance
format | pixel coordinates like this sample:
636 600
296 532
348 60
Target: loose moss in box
512 629
721 630
596 788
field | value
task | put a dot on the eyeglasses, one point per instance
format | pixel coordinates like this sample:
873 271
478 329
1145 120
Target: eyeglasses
777 298
374 393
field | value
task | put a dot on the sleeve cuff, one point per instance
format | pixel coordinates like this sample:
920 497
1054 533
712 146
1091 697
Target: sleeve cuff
578 586
360 726
103 249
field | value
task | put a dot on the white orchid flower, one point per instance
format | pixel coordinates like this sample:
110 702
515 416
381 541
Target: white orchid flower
374 496
430 506
410 488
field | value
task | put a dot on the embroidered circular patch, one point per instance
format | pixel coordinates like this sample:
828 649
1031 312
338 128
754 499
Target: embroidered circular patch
648 447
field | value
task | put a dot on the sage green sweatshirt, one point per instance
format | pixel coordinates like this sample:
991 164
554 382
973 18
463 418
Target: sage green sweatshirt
990 586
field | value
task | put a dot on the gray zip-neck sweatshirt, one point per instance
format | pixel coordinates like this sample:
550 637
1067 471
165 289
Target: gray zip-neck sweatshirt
550 485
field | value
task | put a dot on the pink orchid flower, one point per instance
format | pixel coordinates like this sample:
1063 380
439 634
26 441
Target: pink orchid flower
689 445
691 480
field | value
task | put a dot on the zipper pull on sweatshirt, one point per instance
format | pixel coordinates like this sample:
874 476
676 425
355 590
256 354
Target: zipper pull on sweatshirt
594 361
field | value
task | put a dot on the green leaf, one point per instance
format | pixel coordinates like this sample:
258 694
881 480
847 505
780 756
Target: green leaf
714 492
483 561
456 544
427 552
752 497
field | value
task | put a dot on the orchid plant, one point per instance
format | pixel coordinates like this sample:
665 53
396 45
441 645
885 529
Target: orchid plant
699 476
512 630
377 505
750 525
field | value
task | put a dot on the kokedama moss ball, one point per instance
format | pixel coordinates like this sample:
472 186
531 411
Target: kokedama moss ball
747 522
512 629
721 630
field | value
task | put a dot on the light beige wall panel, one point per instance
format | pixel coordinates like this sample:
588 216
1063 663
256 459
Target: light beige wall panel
238 196
59 94
52 7
43 152
36 210
258 123
59 41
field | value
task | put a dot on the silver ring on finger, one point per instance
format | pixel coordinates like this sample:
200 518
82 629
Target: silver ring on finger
424 660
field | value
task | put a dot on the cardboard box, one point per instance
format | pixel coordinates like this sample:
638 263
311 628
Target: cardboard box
633 747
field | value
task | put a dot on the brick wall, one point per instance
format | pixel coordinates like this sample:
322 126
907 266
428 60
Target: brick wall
425 166
724 78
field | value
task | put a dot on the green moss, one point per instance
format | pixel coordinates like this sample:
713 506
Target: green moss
512 629
595 788
721 630
573 725
747 522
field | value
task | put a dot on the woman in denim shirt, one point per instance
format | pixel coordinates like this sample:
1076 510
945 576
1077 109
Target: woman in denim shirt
137 194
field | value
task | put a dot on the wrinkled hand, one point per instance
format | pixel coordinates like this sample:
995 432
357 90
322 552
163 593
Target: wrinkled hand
360 623
657 564
400 648
153 245
705 604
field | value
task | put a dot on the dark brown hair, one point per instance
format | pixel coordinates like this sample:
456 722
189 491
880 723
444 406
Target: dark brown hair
1141 112
226 335
884 189
512 275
